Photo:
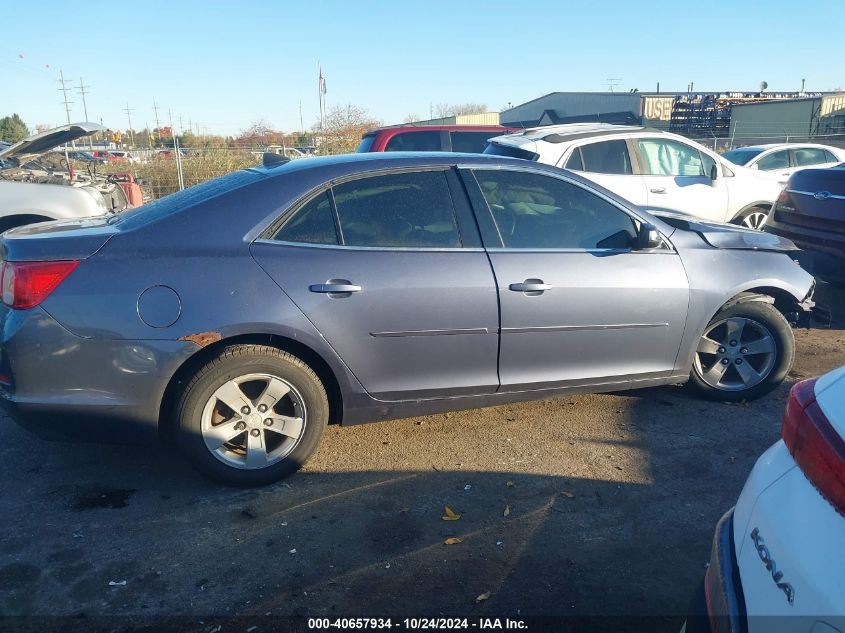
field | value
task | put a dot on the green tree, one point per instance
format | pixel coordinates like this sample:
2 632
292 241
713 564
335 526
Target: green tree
13 129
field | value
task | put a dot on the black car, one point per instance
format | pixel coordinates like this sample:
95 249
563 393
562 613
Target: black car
811 212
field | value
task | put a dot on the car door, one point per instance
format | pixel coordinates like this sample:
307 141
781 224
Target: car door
579 306
609 164
678 178
391 271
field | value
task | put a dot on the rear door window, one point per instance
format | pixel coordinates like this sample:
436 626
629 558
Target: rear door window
807 156
607 157
471 142
414 142
405 210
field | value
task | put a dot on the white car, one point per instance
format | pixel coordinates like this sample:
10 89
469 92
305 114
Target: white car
778 558
656 170
781 160
32 190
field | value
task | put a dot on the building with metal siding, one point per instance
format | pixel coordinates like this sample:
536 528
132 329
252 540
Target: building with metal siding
748 117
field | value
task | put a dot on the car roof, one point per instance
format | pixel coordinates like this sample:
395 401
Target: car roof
395 129
768 146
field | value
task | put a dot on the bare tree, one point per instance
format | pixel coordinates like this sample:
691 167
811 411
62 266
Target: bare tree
443 110
410 118
343 127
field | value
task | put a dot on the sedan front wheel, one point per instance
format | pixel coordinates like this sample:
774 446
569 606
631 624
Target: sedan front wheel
746 350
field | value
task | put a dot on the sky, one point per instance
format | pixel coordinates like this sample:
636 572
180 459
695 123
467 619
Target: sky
225 65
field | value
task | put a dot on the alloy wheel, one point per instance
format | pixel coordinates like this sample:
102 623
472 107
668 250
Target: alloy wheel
755 220
253 421
735 354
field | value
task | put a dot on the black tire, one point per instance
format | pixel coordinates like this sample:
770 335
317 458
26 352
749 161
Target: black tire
237 361
740 220
772 320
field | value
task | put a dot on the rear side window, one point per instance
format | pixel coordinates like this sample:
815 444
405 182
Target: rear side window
830 157
312 224
536 211
575 162
807 156
471 142
495 149
411 210
775 160
607 157
670 158
366 144
414 142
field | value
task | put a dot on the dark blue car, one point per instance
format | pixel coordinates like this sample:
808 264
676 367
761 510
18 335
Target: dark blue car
239 317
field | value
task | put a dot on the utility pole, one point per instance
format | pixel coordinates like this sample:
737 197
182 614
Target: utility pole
172 131
129 112
158 126
64 90
81 90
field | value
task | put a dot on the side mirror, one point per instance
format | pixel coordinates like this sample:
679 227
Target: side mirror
714 171
648 237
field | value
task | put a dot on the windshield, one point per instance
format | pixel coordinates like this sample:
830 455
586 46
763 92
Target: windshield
495 149
366 143
741 156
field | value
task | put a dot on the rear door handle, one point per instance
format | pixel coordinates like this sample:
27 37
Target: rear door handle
531 286
335 286
658 190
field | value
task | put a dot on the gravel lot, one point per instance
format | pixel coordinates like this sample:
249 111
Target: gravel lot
580 506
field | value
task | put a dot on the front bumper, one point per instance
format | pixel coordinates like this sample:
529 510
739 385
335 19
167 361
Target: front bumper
62 386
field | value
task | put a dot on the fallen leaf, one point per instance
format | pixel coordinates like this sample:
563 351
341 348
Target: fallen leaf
453 541
117 583
449 514
507 511
567 494
484 596
510 484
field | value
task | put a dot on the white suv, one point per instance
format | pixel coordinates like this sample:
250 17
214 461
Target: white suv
778 558
656 170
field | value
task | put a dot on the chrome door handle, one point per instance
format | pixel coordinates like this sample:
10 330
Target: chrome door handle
658 190
335 286
534 286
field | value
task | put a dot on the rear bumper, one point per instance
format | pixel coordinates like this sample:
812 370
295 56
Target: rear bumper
61 386
718 604
822 253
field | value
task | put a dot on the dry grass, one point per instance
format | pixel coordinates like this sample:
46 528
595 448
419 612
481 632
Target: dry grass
158 175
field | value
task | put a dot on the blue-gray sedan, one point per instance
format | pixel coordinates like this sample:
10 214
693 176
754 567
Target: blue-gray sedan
241 316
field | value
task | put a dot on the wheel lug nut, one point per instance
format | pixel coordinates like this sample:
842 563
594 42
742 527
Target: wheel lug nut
725 361
721 350
733 343
744 350
268 422
739 361
262 408
245 410
254 432
240 426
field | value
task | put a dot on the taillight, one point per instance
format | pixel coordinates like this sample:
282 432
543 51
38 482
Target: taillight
784 195
26 284
814 444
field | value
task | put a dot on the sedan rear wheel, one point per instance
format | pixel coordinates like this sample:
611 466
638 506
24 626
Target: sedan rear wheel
746 350
252 415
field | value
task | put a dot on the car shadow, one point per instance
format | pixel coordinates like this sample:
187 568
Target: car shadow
617 529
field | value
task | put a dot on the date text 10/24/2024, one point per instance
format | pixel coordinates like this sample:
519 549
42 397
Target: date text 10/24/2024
416 624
